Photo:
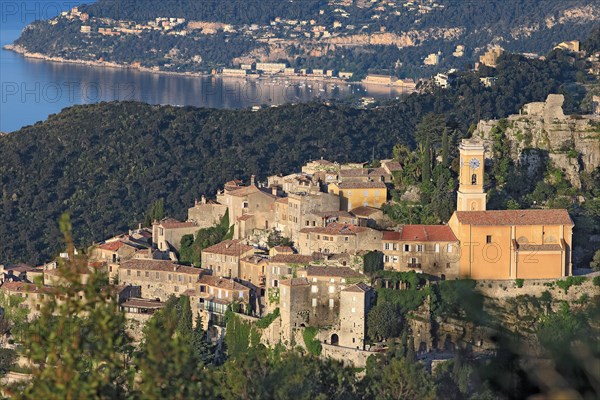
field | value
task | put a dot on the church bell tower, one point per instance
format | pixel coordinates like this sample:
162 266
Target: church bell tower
471 196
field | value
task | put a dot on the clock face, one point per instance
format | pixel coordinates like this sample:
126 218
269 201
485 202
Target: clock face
474 163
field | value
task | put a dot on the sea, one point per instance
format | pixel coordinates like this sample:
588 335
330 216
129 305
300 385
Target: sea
31 90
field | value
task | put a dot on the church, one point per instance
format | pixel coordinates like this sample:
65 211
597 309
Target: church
506 244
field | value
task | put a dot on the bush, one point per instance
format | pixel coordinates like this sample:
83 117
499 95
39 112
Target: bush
268 319
519 282
570 281
596 281
312 345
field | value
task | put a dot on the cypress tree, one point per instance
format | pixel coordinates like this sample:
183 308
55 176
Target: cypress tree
445 148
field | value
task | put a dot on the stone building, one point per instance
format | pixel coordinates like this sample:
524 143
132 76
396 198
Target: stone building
206 213
338 238
167 233
223 259
432 249
250 208
354 194
159 279
506 244
253 269
211 297
324 297
302 206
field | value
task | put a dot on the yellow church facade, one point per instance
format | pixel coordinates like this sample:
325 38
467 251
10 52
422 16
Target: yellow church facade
506 244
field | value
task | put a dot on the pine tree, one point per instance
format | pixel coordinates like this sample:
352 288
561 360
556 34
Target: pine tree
426 161
445 150
410 351
78 344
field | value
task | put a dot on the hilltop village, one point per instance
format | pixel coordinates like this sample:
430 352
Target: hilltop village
297 248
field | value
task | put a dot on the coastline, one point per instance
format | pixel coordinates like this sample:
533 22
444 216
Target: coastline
106 64
102 64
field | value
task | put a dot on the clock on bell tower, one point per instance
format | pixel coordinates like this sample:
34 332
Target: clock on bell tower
471 196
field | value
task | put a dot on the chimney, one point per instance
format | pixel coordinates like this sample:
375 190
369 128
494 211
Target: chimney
274 190
251 180
203 199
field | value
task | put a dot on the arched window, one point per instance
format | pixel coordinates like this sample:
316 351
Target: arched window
474 179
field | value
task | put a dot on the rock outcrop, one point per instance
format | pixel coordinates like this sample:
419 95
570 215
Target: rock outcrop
541 130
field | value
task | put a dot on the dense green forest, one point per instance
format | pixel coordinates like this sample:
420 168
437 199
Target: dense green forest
515 25
107 163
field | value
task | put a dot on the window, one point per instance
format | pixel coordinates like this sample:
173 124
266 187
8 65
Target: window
447 265
331 289
307 223
314 289
147 274
366 193
353 309
332 280
419 247
449 248
377 193
139 273
407 247
474 179
177 288
386 246
331 303
345 238
169 276
128 272
314 302
157 275
386 258
202 289
488 239
437 247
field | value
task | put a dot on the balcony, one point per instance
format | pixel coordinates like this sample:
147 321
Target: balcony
414 265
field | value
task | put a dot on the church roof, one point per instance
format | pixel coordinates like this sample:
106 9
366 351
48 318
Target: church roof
515 217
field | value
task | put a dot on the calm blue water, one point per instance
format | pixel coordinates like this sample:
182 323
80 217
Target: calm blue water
32 89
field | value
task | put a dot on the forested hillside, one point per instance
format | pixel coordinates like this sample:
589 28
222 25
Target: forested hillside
107 163
361 36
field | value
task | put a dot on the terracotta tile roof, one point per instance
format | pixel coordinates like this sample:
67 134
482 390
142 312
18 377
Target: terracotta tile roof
170 223
361 185
326 214
283 200
245 217
360 172
291 259
244 191
391 235
111 246
143 303
222 283
229 248
256 259
358 288
295 282
159 265
515 217
343 272
336 228
284 249
393 166
364 211
427 233
19 268
23 287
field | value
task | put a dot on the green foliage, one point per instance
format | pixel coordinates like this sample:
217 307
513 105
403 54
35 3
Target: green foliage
155 213
14 316
313 346
268 319
8 357
384 321
277 239
519 282
403 379
565 284
596 280
595 263
78 343
411 278
240 335
191 250
372 262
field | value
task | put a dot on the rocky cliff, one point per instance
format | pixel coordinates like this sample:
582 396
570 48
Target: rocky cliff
542 131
